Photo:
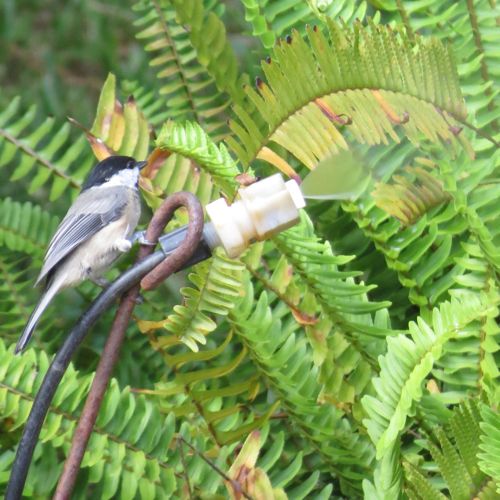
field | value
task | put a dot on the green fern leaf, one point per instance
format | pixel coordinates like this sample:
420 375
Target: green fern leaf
284 358
136 443
190 141
367 102
489 454
190 69
42 152
407 362
119 128
407 199
270 20
419 487
25 227
217 289
455 469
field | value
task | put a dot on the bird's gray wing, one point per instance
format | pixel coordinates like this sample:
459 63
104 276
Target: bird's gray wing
88 214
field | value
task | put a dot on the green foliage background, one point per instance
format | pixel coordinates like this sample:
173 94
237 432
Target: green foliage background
357 353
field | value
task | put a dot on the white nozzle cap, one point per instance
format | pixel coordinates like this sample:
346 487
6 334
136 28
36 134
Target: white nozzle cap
264 209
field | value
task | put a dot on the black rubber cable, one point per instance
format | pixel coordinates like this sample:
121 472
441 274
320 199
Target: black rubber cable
59 365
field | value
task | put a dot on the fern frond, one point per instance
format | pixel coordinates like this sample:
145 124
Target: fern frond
118 128
417 91
387 477
189 140
419 487
217 285
427 255
454 451
270 20
191 69
124 456
340 296
408 198
213 50
148 101
25 227
473 41
15 285
412 359
347 367
285 360
489 455
41 152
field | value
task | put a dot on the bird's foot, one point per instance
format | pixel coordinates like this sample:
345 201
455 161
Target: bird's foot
140 237
123 245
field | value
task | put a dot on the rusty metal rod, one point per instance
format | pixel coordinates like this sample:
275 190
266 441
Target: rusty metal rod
116 336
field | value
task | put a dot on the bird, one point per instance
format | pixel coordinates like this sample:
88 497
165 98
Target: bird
95 231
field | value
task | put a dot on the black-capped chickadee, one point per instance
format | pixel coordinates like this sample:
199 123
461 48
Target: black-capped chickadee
94 232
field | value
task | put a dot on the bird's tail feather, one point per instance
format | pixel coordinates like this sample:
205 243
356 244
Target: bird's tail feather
47 296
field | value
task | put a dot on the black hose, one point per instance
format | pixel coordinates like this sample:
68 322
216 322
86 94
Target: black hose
58 367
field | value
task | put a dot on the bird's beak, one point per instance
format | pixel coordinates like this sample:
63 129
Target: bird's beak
141 164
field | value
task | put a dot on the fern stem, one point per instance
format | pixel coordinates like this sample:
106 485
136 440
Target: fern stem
184 467
267 284
406 20
479 132
31 152
236 485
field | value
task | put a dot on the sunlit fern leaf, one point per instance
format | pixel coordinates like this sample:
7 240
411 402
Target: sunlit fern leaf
387 476
489 455
43 152
118 128
140 436
407 197
199 165
412 359
179 173
217 289
25 227
272 19
189 140
346 91
198 78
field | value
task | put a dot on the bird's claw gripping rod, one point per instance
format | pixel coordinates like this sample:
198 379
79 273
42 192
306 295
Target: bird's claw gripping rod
150 270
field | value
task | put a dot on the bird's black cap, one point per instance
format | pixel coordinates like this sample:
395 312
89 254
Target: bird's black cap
106 168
